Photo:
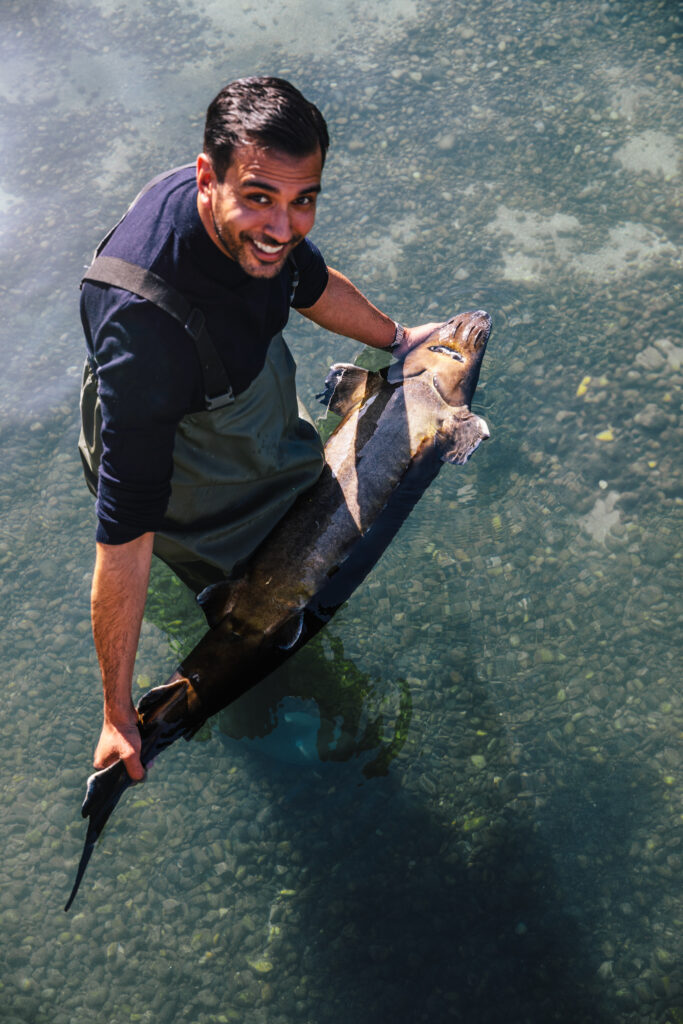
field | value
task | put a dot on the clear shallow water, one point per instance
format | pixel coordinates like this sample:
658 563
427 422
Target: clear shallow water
521 860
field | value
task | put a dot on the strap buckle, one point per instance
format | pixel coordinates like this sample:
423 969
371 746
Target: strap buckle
195 325
219 400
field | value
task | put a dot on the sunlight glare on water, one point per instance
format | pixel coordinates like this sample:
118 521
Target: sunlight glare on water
466 803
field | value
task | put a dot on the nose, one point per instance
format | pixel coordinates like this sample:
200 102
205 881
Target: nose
279 226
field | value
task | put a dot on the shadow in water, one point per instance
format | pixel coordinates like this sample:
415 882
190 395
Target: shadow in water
408 930
402 915
465 901
406 919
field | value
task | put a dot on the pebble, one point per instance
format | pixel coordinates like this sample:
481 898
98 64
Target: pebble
651 359
261 965
652 418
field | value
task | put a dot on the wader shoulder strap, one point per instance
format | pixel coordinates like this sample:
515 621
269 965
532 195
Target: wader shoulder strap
121 274
145 188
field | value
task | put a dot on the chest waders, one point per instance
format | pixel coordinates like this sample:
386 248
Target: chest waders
238 464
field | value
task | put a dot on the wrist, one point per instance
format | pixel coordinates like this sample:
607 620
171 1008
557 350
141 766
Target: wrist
119 715
399 333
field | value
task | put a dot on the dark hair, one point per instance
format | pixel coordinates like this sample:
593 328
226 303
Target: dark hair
263 111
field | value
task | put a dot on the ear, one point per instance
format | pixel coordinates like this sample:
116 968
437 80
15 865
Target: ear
462 433
206 178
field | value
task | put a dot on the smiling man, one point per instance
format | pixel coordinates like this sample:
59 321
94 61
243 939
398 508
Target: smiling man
191 436
263 207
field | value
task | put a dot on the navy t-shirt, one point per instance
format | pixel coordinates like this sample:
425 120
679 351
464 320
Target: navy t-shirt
148 370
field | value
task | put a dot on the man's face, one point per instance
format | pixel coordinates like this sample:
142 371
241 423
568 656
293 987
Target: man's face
262 209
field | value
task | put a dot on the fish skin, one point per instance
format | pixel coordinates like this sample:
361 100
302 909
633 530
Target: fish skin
398 426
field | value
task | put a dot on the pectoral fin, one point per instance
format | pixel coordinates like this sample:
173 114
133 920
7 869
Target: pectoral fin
290 634
216 601
345 386
462 434
399 371
158 695
395 373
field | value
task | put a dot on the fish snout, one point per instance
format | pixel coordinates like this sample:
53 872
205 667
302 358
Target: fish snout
468 332
477 330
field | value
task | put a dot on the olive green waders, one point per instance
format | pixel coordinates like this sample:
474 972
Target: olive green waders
238 464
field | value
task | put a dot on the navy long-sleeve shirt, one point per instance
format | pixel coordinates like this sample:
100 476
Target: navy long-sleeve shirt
147 366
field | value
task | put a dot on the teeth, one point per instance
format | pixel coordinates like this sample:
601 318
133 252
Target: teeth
271 250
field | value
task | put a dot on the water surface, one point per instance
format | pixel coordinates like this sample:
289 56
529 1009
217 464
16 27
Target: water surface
517 651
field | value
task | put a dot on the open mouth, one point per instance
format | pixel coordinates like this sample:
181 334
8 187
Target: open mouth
267 250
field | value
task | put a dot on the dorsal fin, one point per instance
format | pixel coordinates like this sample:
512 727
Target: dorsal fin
216 601
345 386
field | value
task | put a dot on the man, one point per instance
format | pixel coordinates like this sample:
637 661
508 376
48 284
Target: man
192 439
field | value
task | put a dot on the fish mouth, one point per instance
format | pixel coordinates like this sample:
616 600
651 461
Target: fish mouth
447 352
463 340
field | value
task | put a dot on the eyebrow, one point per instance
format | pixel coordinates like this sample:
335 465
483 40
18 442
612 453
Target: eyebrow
265 187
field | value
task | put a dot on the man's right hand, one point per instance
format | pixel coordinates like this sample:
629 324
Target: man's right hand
120 742
119 590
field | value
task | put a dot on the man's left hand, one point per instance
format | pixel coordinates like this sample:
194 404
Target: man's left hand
413 336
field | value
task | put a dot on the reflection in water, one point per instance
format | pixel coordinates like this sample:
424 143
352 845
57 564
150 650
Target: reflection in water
320 707
317 707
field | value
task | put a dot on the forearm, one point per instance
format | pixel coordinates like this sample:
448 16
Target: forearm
343 309
118 597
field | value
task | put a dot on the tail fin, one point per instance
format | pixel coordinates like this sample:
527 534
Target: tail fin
105 788
103 792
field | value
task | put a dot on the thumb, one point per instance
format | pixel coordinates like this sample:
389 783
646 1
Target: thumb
413 336
134 766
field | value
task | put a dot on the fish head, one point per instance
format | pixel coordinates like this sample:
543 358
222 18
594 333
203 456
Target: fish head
452 356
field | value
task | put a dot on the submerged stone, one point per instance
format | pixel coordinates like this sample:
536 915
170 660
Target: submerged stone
260 965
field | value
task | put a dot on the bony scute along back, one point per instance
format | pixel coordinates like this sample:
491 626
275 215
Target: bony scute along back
405 420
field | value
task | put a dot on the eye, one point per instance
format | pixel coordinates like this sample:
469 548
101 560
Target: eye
258 198
447 352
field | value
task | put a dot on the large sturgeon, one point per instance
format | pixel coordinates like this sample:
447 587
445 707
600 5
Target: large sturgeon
398 425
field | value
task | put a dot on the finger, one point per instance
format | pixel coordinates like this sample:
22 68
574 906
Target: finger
104 759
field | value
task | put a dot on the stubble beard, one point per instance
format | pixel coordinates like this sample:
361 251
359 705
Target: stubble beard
240 251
